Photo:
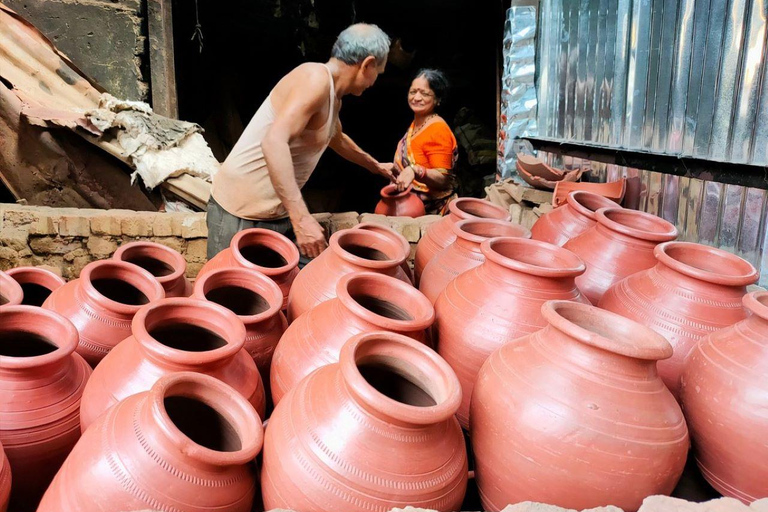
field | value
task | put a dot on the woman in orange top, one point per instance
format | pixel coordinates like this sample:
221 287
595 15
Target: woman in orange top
427 153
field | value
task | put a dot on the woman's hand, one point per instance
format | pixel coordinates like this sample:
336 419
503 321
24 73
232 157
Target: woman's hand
404 179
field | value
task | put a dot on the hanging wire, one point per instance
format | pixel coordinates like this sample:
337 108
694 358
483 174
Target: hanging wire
198 33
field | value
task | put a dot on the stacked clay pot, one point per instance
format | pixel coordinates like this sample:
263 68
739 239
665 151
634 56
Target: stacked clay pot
168 336
725 395
36 283
575 415
350 250
10 291
5 481
262 250
41 385
693 290
572 219
383 420
464 253
500 301
619 245
391 233
102 302
399 204
440 234
364 302
186 444
168 266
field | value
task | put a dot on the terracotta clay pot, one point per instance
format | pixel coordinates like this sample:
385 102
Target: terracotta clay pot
36 283
693 290
350 250
185 445
168 266
263 250
399 204
394 399
440 234
101 303
10 291
500 301
41 385
257 301
5 481
173 335
364 302
575 415
724 390
619 245
572 219
386 231
464 253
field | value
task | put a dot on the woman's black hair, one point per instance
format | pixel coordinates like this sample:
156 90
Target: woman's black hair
437 80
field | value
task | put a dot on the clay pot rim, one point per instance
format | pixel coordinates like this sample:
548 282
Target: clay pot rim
338 237
577 198
667 231
749 275
387 192
137 277
37 275
462 230
490 249
227 326
249 279
458 208
632 339
56 329
757 303
158 252
422 319
276 242
385 231
11 290
425 360
213 393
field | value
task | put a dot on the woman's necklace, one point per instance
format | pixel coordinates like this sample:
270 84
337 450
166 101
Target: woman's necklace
423 124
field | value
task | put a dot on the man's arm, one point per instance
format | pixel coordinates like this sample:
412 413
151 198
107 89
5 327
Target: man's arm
349 150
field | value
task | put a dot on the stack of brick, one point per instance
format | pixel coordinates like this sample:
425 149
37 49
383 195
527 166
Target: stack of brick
525 204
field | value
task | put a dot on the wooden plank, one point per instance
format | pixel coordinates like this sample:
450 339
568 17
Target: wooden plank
165 99
196 191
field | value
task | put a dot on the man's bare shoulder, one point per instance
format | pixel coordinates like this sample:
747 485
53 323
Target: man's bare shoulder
311 77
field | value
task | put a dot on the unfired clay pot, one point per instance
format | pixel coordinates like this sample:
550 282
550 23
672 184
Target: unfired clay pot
263 250
173 335
693 290
36 283
464 253
575 217
185 445
101 303
41 385
10 291
725 395
5 481
619 245
387 231
399 204
364 302
440 234
168 266
383 420
575 415
500 301
350 250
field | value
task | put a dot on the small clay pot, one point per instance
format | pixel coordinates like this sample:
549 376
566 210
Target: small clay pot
168 266
173 335
464 253
364 302
399 204
11 293
5 481
36 283
262 250
572 219
187 445
101 304
387 231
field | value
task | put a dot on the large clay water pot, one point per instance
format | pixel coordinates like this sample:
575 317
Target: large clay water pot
168 336
500 301
693 290
399 204
575 415
364 302
440 234
168 266
619 245
383 420
724 395
10 291
184 445
350 250
41 386
5 481
263 250
102 302
36 283
464 253
575 217
387 231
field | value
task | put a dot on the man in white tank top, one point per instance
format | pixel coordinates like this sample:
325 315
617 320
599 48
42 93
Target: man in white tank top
259 184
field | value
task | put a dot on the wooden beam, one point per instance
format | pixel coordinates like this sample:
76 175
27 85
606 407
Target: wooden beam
161 58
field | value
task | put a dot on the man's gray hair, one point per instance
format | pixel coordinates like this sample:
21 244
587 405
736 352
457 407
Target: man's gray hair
359 41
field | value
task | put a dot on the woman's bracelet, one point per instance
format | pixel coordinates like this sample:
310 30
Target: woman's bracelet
419 171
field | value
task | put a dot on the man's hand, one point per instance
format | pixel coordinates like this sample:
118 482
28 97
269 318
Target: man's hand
387 170
309 236
404 179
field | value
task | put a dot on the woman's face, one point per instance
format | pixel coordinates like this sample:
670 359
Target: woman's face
421 98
